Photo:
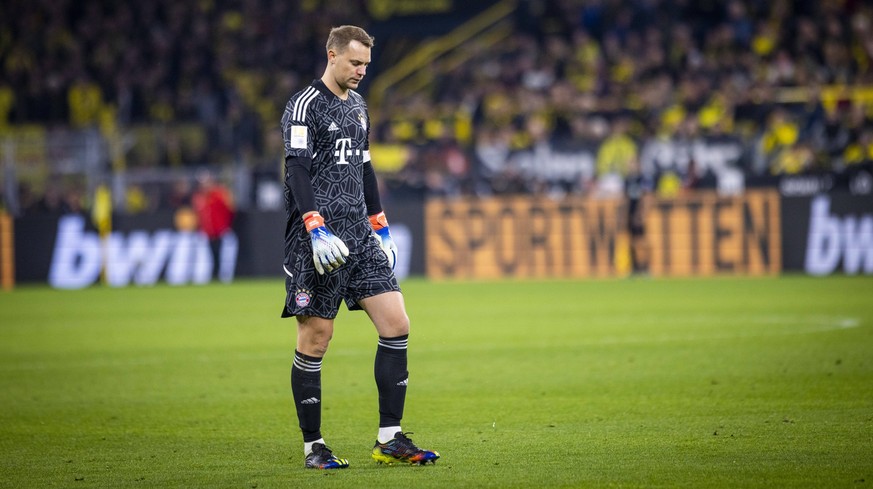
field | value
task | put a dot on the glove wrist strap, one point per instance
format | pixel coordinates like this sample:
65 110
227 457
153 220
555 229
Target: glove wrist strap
312 220
378 221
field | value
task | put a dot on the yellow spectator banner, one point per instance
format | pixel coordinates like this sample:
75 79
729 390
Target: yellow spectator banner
523 237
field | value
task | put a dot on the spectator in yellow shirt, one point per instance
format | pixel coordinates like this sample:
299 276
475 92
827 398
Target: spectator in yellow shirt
617 151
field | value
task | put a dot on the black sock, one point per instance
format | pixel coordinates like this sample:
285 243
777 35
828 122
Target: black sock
306 387
391 379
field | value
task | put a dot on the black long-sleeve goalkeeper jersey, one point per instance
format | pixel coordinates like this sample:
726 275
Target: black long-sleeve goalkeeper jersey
327 138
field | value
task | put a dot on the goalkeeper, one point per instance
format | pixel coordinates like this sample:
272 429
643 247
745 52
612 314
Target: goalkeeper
338 247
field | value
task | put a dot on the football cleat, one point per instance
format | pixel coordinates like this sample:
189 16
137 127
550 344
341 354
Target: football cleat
322 458
401 450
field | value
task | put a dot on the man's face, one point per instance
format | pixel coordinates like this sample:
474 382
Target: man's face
350 66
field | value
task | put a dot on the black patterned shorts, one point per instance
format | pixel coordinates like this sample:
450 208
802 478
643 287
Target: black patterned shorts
366 273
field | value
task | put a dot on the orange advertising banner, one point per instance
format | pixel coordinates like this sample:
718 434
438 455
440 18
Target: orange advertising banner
525 237
7 251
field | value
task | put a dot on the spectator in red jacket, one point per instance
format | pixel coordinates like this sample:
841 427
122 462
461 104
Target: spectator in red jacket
213 204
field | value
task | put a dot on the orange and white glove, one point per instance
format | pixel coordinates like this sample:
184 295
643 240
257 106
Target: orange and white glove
328 251
380 231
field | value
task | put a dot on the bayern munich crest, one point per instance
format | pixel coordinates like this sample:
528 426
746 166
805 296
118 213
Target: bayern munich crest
302 299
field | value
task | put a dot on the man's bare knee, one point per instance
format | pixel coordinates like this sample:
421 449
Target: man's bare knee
314 335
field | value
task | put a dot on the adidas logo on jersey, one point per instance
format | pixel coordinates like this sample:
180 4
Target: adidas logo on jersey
311 400
332 127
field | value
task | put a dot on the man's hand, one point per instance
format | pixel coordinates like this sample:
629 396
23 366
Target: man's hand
328 251
380 231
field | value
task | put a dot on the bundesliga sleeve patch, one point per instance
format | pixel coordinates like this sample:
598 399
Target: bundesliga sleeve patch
298 137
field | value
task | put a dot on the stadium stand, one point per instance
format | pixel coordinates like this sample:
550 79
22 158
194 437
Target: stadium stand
551 97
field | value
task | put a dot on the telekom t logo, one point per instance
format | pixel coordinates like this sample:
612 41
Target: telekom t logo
343 148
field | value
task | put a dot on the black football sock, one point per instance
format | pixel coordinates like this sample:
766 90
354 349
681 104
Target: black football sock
391 379
306 386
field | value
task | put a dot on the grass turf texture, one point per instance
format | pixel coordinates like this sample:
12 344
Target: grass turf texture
734 382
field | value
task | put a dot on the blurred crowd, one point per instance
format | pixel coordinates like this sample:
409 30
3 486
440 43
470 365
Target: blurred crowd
225 65
690 91
580 92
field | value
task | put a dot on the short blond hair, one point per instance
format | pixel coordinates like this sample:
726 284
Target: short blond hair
341 36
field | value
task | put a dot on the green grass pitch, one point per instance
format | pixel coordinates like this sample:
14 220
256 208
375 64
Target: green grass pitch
726 382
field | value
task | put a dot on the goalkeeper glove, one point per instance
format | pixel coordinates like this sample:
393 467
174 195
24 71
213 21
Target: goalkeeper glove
328 251
380 231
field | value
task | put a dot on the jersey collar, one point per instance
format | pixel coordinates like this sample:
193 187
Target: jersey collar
321 87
